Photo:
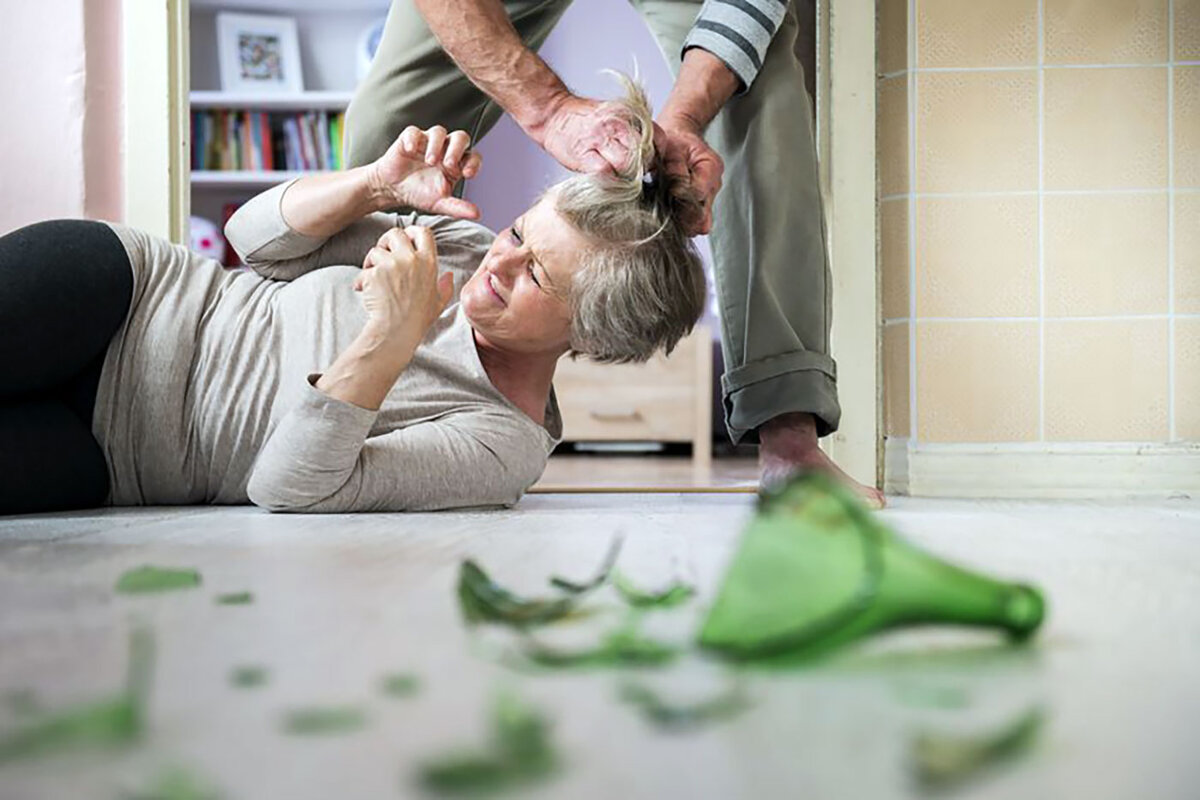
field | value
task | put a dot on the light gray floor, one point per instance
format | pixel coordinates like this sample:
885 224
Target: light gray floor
342 600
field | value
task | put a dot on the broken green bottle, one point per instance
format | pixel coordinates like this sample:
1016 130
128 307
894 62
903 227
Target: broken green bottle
816 570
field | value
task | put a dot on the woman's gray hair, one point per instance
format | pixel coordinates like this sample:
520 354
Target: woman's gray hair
641 286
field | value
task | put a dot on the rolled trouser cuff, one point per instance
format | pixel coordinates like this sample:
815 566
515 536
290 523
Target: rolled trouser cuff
800 381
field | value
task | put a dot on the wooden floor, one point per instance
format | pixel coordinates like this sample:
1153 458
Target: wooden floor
341 601
614 473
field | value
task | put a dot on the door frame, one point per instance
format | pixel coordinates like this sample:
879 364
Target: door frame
157 180
846 149
156 163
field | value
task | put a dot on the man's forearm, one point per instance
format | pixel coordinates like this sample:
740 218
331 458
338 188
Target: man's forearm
481 39
703 87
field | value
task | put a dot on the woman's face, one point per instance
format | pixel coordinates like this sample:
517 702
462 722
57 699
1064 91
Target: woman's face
517 299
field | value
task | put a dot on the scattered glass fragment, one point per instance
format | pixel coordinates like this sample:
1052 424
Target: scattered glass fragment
22 702
941 759
518 753
318 721
598 580
815 570
679 717
156 579
235 599
674 595
483 600
111 721
624 647
174 783
400 684
248 677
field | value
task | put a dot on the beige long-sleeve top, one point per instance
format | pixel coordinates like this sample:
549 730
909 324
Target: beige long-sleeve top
207 395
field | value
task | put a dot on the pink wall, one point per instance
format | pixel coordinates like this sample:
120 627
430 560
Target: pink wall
60 87
102 142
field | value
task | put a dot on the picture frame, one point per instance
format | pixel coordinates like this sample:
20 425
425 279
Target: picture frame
259 54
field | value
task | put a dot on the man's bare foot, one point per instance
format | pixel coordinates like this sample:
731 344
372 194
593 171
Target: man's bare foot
788 444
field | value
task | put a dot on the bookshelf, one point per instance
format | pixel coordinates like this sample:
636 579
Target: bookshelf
329 32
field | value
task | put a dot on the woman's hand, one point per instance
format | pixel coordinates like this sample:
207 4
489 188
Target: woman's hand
420 169
401 290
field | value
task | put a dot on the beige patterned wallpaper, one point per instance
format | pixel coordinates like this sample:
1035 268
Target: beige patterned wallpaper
1039 219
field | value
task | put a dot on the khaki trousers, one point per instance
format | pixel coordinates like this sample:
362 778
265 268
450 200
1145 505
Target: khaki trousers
768 240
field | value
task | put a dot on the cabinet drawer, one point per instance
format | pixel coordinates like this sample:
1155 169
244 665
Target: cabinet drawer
657 401
628 413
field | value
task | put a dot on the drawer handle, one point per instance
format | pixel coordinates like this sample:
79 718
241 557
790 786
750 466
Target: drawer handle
615 414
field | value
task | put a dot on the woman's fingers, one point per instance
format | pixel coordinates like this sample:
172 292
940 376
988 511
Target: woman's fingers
395 240
455 207
421 239
472 164
456 148
436 145
413 141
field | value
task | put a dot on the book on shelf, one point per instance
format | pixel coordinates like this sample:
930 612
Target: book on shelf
229 139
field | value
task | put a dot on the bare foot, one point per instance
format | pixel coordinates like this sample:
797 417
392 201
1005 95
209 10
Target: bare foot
788 444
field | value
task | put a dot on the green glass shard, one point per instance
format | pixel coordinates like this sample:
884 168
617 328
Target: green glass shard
597 580
108 722
680 717
248 677
235 599
674 595
320 721
22 702
483 600
941 760
815 570
519 753
156 579
175 783
400 684
624 647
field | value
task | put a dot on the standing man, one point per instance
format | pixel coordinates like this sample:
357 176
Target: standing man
738 82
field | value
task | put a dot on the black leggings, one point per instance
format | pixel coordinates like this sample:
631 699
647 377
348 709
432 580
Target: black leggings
65 289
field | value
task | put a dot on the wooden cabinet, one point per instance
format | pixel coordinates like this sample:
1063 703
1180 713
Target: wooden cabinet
667 399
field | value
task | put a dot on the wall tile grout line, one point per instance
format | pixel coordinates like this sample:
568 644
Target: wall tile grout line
1041 213
1041 66
1048 318
1171 377
1048 192
913 433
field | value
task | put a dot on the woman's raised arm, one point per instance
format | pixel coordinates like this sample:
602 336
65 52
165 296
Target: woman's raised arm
333 218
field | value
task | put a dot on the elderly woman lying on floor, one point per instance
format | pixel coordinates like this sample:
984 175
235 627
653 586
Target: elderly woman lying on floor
137 372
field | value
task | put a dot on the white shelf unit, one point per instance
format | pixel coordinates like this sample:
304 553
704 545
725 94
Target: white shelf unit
329 32
208 180
248 179
303 101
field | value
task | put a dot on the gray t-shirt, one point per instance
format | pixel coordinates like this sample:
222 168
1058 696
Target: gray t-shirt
207 392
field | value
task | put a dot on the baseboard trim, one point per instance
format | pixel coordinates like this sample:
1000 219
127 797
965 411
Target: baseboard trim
1086 470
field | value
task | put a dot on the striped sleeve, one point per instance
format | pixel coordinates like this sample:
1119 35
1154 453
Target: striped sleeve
738 32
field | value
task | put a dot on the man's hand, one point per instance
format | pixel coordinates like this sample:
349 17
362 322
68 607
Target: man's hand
420 169
587 136
694 168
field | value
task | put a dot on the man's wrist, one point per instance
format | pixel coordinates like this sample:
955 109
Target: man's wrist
704 85
535 115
